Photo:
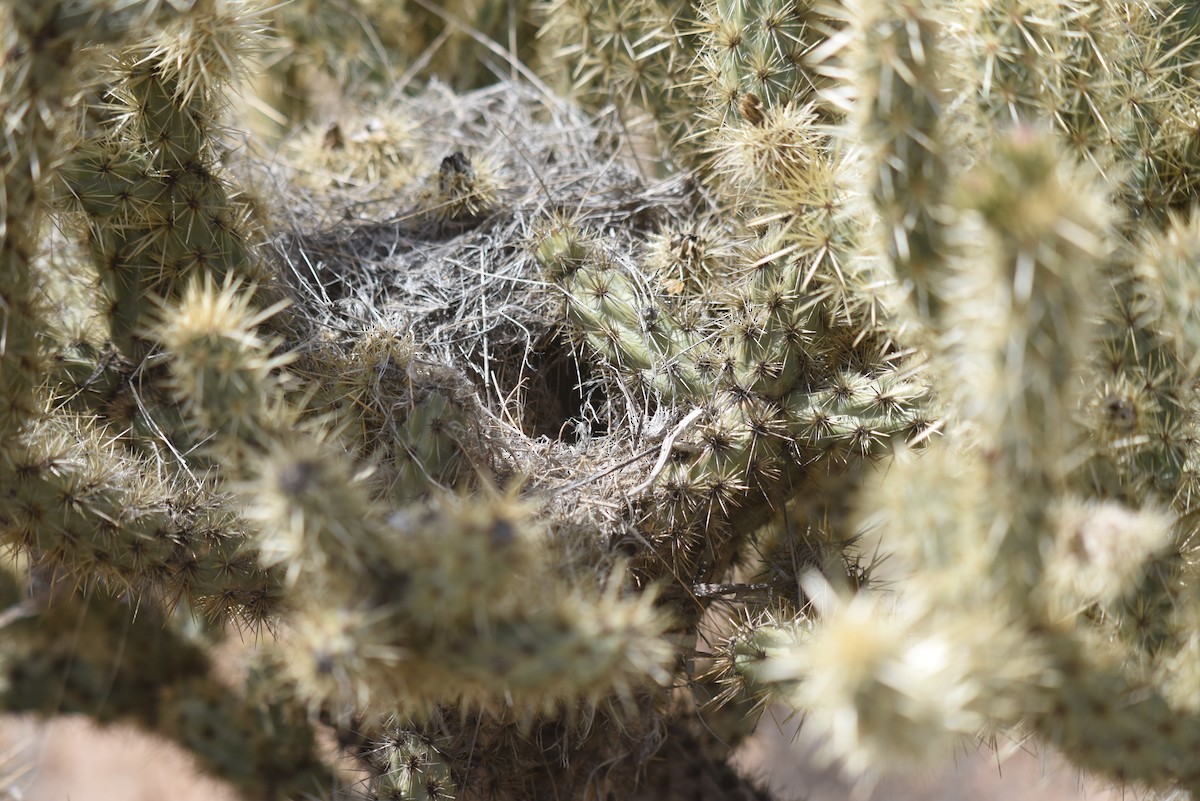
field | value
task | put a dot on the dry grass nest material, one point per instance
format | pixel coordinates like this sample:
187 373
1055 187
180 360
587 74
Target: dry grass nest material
361 251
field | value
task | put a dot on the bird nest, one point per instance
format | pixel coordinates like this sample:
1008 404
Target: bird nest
420 218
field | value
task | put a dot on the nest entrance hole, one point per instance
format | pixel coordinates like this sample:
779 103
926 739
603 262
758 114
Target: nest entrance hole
555 397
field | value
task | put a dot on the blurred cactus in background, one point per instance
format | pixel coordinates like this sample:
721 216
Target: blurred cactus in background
571 382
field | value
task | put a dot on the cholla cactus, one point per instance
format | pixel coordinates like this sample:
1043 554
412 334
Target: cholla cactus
546 470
